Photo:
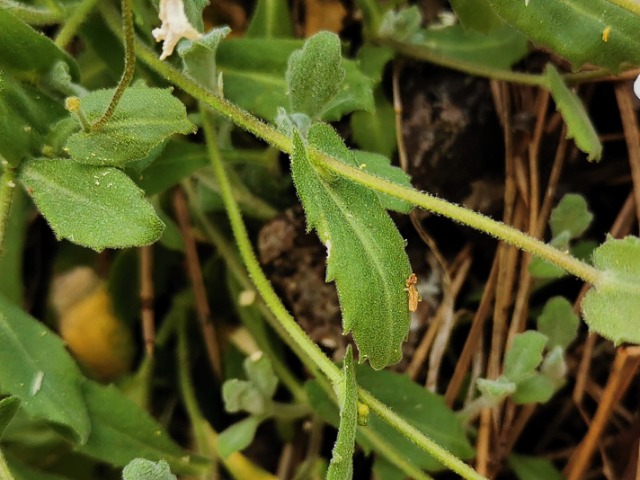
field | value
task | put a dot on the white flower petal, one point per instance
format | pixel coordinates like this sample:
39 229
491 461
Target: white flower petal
175 26
636 87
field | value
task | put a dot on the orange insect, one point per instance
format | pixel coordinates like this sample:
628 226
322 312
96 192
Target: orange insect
414 296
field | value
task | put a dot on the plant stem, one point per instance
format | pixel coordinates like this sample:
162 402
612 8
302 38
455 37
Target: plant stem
70 28
429 202
7 187
129 64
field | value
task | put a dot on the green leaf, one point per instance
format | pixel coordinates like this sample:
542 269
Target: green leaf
541 268
524 356
476 15
143 119
142 469
341 465
572 215
36 367
424 410
376 131
199 57
579 126
26 115
314 74
193 9
22 471
554 366
400 25
240 395
254 77
271 19
260 373
238 436
381 166
499 49
535 389
8 408
372 59
97 207
122 431
11 259
576 29
533 468
610 308
366 254
27 53
177 161
497 389
558 322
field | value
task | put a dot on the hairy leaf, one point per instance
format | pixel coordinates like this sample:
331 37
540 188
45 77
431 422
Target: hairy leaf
535 389
199 57
558 322
595 31
143 469
365 251
143 119
97 207
376 131
524 356
254 78
36 367
571 215
579 126
341 465
611 307
314 74
476 15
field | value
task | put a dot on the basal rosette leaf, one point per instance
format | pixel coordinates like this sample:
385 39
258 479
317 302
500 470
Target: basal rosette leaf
143 119
612 307
365 251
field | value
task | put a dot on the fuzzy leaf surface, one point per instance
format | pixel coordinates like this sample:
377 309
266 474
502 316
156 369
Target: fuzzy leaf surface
524 356
572 215
558 322
611 307
199 57
476 15
143 469
314 74
238 436
143 119
36 368
254 78
341 464
366 256
97 207
579 126
575 29
535 389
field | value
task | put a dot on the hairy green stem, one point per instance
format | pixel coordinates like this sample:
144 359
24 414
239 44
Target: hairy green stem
70 28
36 16
129 64
7 187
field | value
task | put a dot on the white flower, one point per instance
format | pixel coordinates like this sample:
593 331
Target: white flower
636 87
175 26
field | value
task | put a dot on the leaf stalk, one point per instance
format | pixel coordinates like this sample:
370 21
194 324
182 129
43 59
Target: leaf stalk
7 187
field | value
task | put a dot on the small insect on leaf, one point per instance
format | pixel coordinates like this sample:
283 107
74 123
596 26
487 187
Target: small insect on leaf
414 296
